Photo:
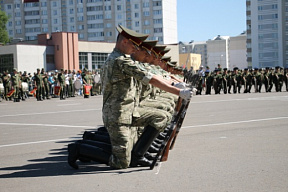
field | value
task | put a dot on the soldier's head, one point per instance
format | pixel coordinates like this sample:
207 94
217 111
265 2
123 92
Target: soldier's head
128 41
156 55
38 70
15 71
277 68
235 69
144 52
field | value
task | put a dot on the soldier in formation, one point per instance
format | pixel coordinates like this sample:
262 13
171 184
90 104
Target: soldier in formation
132 77
227 81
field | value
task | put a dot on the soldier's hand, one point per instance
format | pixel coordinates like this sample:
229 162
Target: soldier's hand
186 94
180 85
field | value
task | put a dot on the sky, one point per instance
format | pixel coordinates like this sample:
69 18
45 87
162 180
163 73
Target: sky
200 20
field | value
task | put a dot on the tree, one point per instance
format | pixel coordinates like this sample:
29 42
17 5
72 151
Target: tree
4 38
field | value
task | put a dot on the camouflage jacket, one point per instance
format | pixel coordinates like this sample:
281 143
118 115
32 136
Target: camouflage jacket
120 80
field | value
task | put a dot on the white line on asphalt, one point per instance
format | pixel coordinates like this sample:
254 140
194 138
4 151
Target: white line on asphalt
279 98
36 142
68 104
52 112
48 125
236 122
207 125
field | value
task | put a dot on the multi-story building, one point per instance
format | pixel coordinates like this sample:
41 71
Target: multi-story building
227 51
267 33
93 20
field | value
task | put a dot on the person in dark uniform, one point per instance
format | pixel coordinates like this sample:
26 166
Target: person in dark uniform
61 79
38 83
217 83
266 79
247 79
233 81
225 80
276 78
208 82
286 78
16 84
6 83
239 80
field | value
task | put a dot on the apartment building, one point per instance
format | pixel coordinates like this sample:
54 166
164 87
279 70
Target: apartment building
93 20
267 33
227 51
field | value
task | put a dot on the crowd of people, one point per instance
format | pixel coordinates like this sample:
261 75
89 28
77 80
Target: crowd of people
142 90
232 81
43 85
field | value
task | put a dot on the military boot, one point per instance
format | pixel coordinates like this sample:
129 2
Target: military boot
78 150
141 147
96 137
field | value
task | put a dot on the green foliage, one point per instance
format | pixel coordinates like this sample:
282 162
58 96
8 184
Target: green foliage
4 38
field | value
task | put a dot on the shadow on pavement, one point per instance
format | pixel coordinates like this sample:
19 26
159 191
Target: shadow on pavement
55 164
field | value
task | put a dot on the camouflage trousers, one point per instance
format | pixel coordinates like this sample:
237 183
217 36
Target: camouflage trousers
158 104
123 137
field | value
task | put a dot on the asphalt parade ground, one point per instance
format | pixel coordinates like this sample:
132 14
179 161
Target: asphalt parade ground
233 142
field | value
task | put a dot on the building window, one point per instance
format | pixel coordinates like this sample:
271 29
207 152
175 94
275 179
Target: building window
44 12
118 7
17 6
146 31
83 60
146 4
158 30
157 21
108 25
136 15
80 10
80 18
6 62
157 3
108 16
18 31
50 59
81 36
108 8
98 60
43 4
146 13
137 23
17 14
18 23
157 12
146 22
136 6
81 27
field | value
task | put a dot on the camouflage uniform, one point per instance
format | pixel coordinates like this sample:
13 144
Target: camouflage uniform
121 109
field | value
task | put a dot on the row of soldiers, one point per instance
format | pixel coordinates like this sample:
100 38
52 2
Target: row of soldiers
18 85
140 92
11 85
236 79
